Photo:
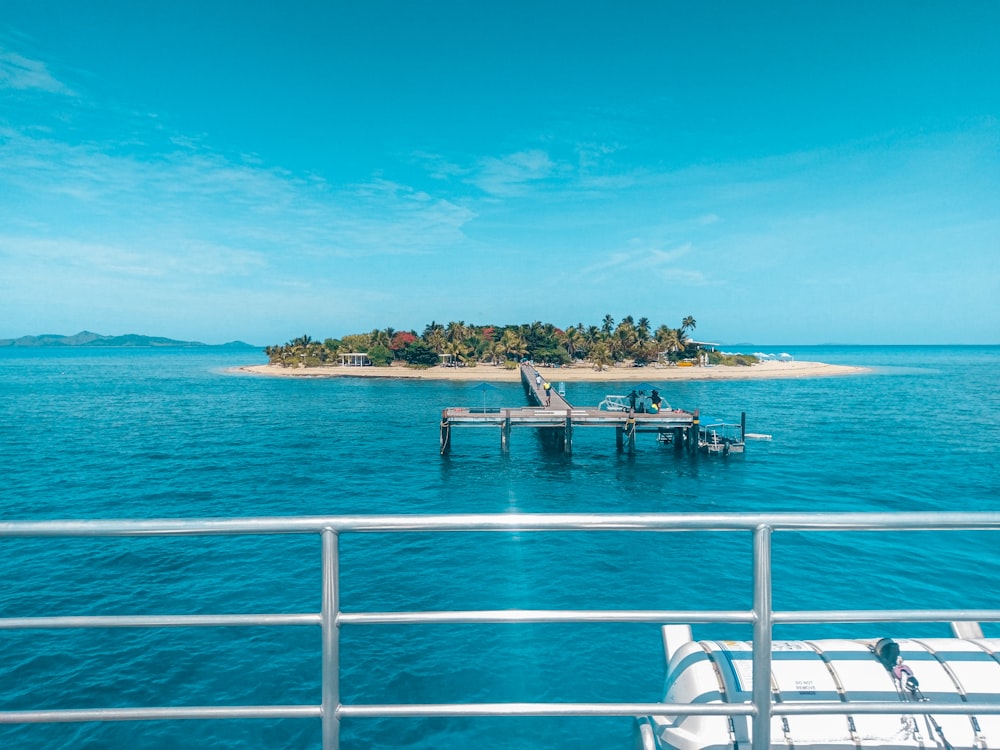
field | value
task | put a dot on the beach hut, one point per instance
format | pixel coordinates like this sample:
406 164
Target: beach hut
355 359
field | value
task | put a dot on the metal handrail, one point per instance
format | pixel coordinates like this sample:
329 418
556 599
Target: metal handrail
330 710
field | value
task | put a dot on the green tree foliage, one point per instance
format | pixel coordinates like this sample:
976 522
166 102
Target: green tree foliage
600 356
356 342
381 355
299 352
468 344
420 354
512 344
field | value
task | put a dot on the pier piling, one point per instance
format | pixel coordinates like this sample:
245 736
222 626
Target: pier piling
445 434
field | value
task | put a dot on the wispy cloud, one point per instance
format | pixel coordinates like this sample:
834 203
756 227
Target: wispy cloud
185 196
437 166
19 72
98 234
643 261
593 156
512 174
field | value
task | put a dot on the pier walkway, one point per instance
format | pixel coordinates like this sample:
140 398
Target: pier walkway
558 418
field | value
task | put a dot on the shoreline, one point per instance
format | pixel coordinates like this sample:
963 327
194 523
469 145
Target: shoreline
571 374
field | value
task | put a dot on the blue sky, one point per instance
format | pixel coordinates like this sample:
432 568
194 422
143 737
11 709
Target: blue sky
790 173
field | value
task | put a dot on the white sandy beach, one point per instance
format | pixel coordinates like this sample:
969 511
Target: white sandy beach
575 373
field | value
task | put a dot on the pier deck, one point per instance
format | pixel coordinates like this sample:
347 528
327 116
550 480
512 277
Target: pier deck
560 417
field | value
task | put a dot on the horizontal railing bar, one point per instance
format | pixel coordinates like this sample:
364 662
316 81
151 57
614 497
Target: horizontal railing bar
155 621
887 615
491 709
511 522
879 707
397 710
160 713
659 709
660 617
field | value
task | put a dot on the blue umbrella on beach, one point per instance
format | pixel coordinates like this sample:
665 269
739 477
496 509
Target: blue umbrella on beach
485 387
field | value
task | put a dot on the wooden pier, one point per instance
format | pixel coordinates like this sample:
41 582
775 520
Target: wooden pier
557 419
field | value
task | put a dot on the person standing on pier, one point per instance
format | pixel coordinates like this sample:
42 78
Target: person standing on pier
548 393
538 380
654 402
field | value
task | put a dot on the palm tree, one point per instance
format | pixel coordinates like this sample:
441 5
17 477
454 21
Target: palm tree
623 340
647 351
431 328
300 349
457 350
573 340
286 355
683 338
476 343
512 344
688 323
435 339
607 325
380 338
494 352
668 339
642 329
600 356
456 331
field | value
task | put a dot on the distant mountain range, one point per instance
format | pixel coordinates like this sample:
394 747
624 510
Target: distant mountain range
88 338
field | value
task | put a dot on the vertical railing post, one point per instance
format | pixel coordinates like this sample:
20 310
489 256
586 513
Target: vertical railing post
762 624
331 640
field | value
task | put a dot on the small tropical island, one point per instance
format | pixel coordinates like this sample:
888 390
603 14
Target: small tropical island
458 351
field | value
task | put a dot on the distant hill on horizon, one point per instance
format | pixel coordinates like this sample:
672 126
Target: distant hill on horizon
89 338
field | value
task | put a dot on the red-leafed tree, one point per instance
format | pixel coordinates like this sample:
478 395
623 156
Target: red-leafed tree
401 340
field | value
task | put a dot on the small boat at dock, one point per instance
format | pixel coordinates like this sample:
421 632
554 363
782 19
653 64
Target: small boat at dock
720 438
613 402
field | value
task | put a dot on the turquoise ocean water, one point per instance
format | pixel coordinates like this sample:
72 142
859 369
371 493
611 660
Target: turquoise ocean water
148 433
